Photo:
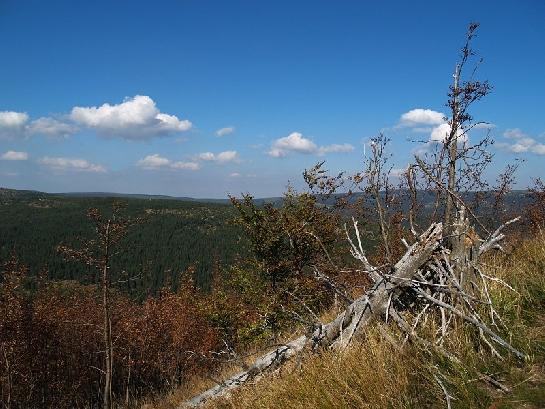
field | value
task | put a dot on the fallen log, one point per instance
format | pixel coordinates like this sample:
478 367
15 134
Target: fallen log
339 332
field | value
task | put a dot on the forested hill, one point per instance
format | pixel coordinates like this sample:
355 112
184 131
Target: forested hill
173 236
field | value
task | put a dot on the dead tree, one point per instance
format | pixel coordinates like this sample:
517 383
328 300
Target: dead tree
439 278
419 272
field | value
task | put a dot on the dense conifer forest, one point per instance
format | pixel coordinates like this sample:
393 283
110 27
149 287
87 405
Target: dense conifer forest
168 238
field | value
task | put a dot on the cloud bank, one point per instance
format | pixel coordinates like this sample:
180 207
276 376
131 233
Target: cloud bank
71 164
17 125
136 118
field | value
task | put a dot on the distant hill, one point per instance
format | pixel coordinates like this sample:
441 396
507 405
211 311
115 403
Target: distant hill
178 232
175 235
139 196
26 193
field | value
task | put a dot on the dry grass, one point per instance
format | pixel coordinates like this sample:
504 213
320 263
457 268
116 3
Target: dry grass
376 374
369 375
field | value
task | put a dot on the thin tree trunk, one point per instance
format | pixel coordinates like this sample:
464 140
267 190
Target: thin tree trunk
453 152
107 324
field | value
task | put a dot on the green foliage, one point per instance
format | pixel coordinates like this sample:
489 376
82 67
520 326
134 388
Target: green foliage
289 238
172 237
276 288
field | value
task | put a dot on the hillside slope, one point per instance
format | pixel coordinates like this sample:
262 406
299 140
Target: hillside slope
377 374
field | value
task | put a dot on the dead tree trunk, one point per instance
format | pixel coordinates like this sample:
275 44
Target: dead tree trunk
339 332
425 272
452 142
465 251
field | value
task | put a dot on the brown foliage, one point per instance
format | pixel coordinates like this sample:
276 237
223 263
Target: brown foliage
535 210
52 352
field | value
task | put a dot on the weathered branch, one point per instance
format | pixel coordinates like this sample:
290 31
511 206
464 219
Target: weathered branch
493 240
339 332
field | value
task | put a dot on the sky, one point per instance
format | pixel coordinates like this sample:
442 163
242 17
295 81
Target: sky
209 98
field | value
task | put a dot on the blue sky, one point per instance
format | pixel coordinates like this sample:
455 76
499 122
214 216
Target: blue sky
205 98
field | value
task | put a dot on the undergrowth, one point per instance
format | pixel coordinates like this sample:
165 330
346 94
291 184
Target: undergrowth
375 373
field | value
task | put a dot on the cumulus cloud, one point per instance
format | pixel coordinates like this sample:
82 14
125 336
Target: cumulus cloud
18 125
520 142
136 118
156 161
419 116
11 119
153 161
225 131
51 127
13 155
440 133
222 157
71 164
296 142
13 124
433 123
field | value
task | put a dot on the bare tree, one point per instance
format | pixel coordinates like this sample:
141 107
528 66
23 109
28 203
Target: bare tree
439 278
98 252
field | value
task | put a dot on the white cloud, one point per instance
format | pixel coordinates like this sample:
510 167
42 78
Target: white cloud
222 157
514 133
225 131
538 149
432 122
17 125
156 161
11 119
234 175
421 116
521 143
51 127
207 156
440 133
12 124
71 164
13 155
135 118
153 161
296 142
227 156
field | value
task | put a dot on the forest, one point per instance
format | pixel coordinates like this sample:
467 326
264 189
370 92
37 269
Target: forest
168 237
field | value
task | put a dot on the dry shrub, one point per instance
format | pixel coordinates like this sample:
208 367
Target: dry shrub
535 210
375 374
52 350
